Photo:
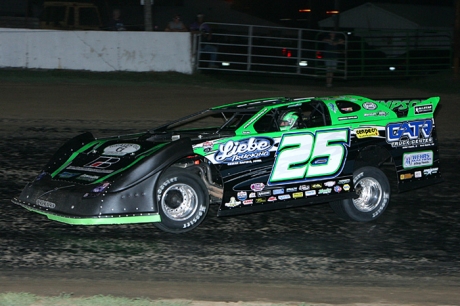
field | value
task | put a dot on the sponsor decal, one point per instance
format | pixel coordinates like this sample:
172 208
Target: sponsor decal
332 107
430 171
291 189
346 187
380 114
271 199
346 109
320 161
417 159
310 193
121 149
337 188
103 162
341 182
317 186
252 195
370 114
325 191
367 132
424 109
96 170
399 104
207 146
284 197
304 187
329 183
257 186
248 202
87 177
242 195
410 133
406 176
45 204
265 193
243 150
233 202
66 175
261 200
297 195
348 118
240 162
100 188
369 105
278 191
418 174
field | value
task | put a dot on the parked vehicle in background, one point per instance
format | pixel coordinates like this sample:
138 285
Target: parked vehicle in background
70 16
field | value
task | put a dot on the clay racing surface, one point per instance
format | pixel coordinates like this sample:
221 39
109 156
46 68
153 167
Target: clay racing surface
410 256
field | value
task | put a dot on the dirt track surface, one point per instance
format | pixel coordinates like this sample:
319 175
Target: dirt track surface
138 108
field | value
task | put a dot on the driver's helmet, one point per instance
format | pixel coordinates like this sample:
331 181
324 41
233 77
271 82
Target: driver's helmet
288 121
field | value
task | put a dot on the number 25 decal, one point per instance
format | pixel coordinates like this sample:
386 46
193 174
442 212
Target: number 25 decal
306 156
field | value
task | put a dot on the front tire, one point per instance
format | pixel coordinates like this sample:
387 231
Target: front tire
183 201
373 189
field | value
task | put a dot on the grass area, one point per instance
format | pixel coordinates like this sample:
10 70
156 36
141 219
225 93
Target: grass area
443 82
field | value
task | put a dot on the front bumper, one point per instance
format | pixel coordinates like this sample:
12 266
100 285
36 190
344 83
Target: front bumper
76 204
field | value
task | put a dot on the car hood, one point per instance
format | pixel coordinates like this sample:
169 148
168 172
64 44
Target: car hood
123 160
103 159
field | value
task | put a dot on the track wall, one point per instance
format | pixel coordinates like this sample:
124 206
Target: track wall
96 50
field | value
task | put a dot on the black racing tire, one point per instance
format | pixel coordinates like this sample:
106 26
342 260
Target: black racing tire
373 189
183 201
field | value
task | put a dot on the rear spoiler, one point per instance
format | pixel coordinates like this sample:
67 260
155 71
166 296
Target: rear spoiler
411 106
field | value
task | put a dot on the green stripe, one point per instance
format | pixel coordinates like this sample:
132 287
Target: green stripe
72 157
145 154
99 221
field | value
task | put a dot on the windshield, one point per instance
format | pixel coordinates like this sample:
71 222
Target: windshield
209 120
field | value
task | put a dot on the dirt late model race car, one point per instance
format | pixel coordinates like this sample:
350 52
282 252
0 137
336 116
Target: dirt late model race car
246 157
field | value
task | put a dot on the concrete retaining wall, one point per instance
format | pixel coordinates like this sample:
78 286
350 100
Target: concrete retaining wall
96 50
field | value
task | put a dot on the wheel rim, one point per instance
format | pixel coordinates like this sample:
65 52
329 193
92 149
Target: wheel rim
370 194
179 202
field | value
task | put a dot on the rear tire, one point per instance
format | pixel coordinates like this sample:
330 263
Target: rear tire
373 190
183 201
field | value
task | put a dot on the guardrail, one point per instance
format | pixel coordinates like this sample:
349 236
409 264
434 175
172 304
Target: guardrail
295 51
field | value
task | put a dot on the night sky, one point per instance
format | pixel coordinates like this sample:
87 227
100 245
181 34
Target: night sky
275 10
286 12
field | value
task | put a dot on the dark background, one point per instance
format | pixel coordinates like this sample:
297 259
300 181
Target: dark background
272 10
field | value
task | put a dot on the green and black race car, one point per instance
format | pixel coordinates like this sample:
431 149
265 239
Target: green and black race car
249 156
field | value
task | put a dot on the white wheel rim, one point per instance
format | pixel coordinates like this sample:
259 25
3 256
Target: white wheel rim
370 194
179 202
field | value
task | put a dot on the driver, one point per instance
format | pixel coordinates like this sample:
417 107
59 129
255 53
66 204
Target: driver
289 120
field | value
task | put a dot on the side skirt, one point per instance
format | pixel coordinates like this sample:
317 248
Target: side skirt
101 220
284 204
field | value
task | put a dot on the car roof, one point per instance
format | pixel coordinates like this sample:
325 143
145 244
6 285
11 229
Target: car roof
258 104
